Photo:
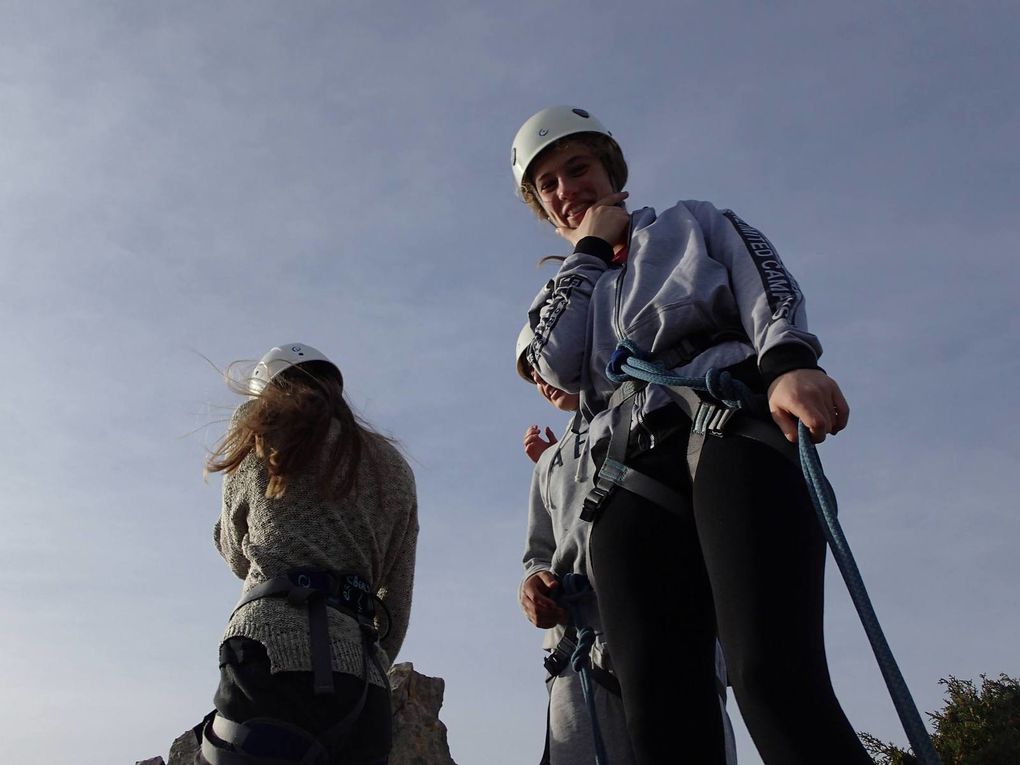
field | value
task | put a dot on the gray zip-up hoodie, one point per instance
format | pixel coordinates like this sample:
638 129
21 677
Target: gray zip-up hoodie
691 272
557 537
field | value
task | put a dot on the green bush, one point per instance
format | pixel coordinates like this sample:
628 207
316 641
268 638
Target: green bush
976 727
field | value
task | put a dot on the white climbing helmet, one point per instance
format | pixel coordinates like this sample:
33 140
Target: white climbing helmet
523 341
545 128
284 357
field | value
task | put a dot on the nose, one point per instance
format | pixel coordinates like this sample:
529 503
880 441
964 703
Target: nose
567 187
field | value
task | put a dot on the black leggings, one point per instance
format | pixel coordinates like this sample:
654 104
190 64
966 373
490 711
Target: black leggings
248 689
744 556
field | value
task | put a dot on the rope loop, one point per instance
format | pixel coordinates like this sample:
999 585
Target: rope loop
622 355
727 389
627 362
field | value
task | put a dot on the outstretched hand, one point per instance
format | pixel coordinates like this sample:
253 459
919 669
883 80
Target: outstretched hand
811 396
605 219
534 444
536 602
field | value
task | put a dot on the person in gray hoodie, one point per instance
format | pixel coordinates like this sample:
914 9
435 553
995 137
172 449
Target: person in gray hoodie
740 552
557 543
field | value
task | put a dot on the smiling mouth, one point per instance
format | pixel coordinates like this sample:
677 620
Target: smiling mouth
577 213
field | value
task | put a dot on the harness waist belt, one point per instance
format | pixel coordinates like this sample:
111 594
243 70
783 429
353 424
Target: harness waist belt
347 593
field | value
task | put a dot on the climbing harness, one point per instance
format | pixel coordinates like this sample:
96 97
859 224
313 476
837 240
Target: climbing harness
710 403
270 741
559 658
713 402
318 590
575 649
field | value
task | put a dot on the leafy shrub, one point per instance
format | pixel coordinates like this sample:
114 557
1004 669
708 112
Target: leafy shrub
976 727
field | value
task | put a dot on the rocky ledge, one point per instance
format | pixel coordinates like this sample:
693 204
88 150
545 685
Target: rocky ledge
419 736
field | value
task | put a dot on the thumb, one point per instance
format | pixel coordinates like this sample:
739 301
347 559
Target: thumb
550 435
549 579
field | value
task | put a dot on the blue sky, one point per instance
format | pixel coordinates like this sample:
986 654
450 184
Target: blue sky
185 183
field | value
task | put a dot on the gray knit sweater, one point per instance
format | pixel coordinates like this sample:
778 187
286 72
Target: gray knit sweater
373 532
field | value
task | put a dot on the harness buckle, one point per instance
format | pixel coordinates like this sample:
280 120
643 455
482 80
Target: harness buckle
594 501
557 660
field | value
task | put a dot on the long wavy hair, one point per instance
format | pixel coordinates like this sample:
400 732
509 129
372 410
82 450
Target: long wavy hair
287 425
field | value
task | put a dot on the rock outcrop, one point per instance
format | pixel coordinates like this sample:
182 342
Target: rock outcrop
419 736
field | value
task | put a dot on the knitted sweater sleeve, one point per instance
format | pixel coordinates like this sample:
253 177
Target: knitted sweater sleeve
397 583
231 530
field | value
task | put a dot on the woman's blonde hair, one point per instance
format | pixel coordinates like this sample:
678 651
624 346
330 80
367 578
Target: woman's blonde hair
287 425
602 146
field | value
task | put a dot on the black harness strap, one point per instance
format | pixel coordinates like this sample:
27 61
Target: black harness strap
318 590
224 742
614 472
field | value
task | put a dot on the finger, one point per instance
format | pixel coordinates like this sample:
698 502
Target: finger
550 435
842 411
818 422
611 200
552 613
786 423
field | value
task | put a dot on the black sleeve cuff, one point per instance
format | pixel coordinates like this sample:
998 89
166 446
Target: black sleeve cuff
785 358
597 246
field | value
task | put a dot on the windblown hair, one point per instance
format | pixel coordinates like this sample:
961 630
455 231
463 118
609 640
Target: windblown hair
602 146
287 425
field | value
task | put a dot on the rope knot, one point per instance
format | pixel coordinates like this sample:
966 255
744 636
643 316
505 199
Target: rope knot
623 353
727 389
581 657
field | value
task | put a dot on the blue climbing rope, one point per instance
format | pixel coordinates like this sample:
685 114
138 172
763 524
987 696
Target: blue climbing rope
824 500
626 364
575 586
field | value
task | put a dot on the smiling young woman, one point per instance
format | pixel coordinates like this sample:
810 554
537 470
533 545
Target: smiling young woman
737 552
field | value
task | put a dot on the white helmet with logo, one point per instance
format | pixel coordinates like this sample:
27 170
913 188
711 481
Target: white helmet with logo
545 128
524 340
284 357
